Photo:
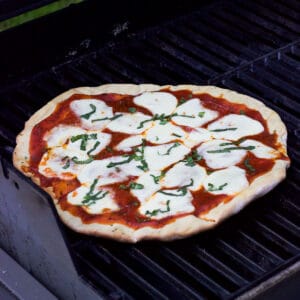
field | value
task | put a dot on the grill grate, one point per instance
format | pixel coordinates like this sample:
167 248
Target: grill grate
261 58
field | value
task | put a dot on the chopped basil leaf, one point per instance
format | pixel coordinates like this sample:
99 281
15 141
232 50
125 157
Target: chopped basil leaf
67 160
201 114
82 162
163 119
131 186
249 166
181 101
111 119
94 148
191 160
84 139
224 129
212 188
169 150
242 112
87 115
113 164
138 155
177 135
229 149
182 190
91 198
132 109
156 138
158 178
156 211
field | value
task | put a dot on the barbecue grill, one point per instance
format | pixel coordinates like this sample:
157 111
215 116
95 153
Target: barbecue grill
252 47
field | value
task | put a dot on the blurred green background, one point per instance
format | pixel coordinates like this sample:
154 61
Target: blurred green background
36 13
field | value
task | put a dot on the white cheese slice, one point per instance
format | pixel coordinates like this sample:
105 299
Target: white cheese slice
53 162
189 114
128 143
235 127
157 102
150 186
106 204
59 135
160 205
130 123
160 134
160 157
260 150
181 175
223 159
102 111
229 181
196 137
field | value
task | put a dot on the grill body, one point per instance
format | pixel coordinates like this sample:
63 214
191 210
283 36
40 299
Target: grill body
251 47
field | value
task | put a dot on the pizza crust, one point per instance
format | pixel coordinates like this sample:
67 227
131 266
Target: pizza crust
181 227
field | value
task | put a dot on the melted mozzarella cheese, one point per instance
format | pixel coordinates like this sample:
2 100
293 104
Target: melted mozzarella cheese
181 175
158 157
130 123
235 127
260 150
59 135
229 181
102 111
157 102
53 163
157 206
220 160
160 134
105 204
196 137
130 142
149 186
191 110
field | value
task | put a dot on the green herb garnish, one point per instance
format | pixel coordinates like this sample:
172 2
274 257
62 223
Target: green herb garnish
111 119
242 112
131 186
224 129
138 155
67 160
109 149
212 188
182 190
169 150
229 149
82 162
87 115
91 198
163 119
84 139
201 114
177 135
94 148
156 211
249 166
191 160
158 178
132 109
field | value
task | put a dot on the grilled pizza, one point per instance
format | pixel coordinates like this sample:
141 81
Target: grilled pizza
134 162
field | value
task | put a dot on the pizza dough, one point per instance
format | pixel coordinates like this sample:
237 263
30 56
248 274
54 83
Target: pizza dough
134 162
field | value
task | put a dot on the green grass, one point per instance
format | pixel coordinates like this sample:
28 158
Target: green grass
36 13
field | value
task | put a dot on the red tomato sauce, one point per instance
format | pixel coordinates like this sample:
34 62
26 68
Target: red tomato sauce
128 214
